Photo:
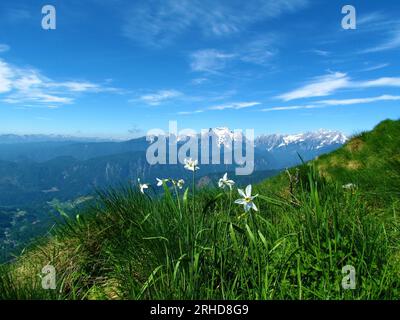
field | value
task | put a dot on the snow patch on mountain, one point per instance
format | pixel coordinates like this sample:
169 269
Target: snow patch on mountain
309 140
305 141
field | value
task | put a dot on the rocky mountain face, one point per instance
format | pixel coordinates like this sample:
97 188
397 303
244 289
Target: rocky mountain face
303 141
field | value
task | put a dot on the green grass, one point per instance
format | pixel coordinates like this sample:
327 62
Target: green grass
200 245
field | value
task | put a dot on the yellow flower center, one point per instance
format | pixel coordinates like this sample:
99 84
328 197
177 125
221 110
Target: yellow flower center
247 199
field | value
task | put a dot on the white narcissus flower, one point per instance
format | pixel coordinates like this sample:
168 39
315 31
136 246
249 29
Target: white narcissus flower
180 183
349 186
191 165
225 182
247 199
160 182
142 186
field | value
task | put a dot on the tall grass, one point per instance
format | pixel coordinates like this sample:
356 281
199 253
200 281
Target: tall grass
135 246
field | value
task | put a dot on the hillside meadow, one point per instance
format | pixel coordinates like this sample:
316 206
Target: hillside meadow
288 237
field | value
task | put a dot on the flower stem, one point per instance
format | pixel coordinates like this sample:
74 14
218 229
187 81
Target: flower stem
193 186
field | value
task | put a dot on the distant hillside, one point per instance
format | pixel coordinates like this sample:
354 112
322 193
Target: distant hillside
273 151
34 138
369 161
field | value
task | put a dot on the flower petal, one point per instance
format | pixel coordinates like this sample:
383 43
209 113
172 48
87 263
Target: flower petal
241 193
248 190
240 201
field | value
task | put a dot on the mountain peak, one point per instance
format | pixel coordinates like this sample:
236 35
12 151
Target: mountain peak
309 140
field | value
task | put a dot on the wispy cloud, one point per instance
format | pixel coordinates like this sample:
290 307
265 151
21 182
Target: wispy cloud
392 42
380 25
199 81
16 15
329 84
318 52
257 51
29 86
183 113
158 97
343 102
5 77
4 47
288 108
319 87
381 82
371 18
335 102
375 67
233 105
159 23
209 60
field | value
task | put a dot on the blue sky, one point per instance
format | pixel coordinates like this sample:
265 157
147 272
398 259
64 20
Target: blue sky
119 68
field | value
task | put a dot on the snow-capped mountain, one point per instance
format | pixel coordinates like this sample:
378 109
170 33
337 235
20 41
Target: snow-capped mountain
286 150
307 141
271 152
222 135
276 151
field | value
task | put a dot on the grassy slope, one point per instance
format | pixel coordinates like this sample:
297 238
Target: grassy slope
133 247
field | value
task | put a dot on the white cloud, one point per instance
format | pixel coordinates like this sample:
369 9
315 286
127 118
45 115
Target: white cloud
318 52
370 18
4 47
343 102
209 60
259 51
29 86
329 84
375 67
380 25
335 102
5 77
14 15
199 81
288 108
190 112
158 97
235 105
381 82
318 87
392 42
78 86
158 22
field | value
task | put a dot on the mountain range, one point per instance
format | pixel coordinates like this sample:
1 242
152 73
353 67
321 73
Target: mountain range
67 168
40 173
